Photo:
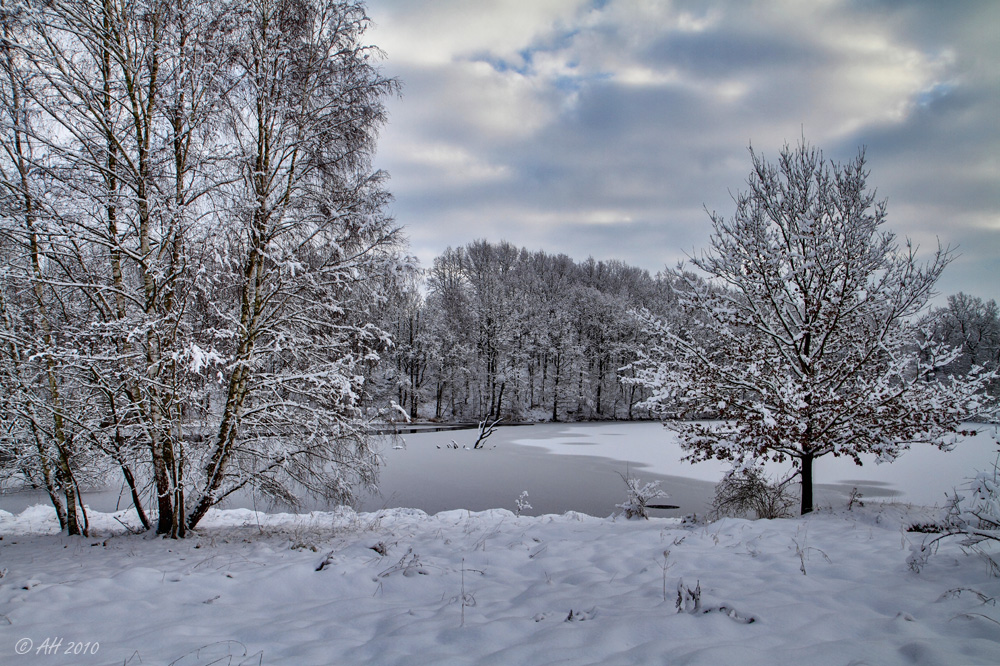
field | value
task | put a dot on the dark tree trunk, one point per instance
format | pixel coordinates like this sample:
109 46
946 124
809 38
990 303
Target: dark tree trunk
439 400
807 484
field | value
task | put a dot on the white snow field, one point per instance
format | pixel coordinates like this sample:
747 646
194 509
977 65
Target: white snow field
402 587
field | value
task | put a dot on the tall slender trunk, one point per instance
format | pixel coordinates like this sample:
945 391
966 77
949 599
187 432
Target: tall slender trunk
555 386
134 491
251 306
439 397
143 98
64 479
117 311
227 434
49 481
600 384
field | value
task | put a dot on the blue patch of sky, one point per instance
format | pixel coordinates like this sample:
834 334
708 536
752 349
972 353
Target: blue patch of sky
503 65
572 80
934 93
524 66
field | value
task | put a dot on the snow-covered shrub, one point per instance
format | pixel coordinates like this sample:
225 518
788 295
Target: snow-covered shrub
638 497
747 490
522 503
689 601
920 553
974 516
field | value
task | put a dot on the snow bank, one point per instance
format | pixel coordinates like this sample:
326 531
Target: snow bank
403 587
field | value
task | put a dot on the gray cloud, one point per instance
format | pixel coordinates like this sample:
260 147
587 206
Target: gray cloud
605 128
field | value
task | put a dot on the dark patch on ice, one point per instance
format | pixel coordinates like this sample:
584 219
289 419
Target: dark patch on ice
868 489
863 482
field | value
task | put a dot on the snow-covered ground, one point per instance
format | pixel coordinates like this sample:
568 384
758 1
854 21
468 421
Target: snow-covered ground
402 587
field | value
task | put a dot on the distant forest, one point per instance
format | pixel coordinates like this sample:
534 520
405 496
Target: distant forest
492 331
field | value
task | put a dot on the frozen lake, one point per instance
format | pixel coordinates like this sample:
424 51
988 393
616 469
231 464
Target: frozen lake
576 467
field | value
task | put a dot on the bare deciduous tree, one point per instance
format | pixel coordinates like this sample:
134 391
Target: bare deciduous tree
802 343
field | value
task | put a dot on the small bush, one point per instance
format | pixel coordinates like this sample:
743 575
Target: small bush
522 503
638 497
973 516
747 491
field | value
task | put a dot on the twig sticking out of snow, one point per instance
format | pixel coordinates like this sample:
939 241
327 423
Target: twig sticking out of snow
803 552
221 652
485 430
522 503
411 567
688 600
957 592
580 616
467 599
664 567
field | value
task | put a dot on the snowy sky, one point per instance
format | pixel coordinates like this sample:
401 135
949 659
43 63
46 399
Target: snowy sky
605 127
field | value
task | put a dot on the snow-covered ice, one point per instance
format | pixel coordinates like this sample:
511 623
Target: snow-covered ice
922 475
402 587
576 466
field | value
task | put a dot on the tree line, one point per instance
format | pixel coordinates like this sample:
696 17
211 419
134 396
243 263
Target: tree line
970 326
496 331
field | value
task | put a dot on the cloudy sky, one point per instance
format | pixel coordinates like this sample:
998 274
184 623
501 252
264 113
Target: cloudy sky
605 128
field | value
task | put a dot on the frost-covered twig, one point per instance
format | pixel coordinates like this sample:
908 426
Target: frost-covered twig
802 551
522 503
664 567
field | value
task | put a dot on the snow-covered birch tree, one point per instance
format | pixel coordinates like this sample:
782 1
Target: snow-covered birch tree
306 245
123 94
45 401
195 248
802 343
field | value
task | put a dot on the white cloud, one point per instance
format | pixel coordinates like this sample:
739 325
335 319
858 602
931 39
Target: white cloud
448 163
595 217
441 32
